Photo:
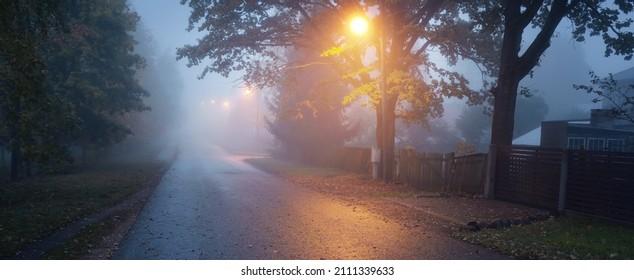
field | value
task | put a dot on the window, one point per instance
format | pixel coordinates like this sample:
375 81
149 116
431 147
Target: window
576 143
615 145
596 144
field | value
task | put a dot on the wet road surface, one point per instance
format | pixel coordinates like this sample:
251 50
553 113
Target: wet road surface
212 205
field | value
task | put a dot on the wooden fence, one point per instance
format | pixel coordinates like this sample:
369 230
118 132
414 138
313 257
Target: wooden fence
442 173
469 174
350 158
601 184
528 175
595 183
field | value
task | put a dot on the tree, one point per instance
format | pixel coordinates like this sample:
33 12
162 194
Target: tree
437 137
531 111
68 70
162 80
93 67
246 36
309 122
475 122
618 97
25 103
511 18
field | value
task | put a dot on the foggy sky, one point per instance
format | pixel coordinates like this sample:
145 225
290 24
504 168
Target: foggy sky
167 20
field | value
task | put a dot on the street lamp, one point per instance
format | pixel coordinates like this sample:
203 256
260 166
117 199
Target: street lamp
359 26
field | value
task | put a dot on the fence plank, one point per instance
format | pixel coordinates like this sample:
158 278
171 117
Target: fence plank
468 175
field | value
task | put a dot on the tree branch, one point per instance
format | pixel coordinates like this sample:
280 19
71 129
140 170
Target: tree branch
531 11
424 16
530 58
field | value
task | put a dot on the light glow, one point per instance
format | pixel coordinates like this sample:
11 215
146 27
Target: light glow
359 25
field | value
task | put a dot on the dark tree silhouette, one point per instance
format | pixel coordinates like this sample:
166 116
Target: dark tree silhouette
608 19
308 119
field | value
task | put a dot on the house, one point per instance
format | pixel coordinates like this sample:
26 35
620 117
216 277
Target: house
598 133
602 132
578 134
531 138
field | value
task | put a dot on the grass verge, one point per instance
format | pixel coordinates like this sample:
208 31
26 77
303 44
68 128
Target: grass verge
33 208
84 242
559 238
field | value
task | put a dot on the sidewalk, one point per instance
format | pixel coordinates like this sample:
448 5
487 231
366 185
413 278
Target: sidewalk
460 211
463 211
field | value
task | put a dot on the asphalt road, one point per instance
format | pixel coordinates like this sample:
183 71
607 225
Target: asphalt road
212 205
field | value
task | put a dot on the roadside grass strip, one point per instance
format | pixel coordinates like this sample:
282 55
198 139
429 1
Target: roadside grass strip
33 208
566 238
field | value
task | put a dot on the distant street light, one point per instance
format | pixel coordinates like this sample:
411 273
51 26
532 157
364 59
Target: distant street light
360 26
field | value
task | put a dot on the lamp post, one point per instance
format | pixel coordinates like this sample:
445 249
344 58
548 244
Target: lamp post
359 26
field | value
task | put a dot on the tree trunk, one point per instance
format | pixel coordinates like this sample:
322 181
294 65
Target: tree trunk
15 162
390 128
504 111
513 67
505 92
16 152
379 136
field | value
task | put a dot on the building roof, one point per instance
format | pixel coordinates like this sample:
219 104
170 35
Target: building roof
626 74
532 138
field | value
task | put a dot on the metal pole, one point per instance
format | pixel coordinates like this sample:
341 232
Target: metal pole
383 99
257 122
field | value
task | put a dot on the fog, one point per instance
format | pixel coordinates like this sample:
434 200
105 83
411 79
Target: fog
214 108
218 108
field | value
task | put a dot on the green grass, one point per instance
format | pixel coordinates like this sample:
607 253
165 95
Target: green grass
32 208
559 238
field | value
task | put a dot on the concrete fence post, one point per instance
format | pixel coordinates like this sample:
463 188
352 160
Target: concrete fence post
489 185
375 157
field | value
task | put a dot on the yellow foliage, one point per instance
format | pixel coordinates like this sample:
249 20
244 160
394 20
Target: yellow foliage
465 148
334 51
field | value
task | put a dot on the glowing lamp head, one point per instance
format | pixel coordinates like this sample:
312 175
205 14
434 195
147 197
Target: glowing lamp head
359 26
